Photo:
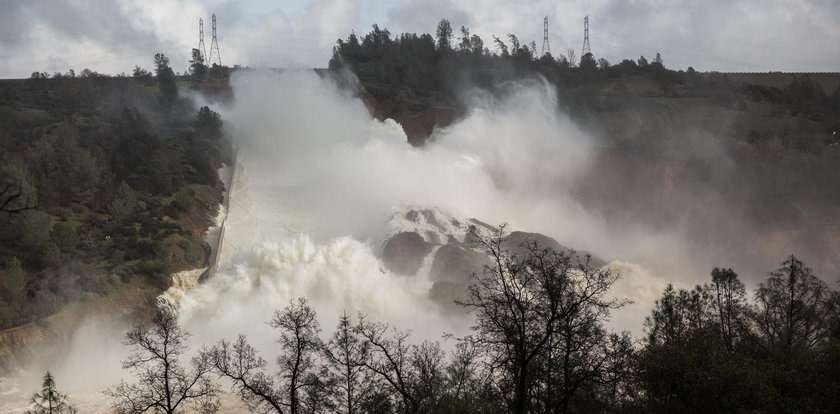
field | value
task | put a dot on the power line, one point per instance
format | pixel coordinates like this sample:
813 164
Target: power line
586 50
306 40
214 46
546 48
201 48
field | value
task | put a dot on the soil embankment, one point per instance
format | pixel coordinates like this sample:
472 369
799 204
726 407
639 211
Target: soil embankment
417 124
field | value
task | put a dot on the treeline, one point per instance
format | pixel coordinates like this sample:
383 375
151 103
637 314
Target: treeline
538 345
99 177
421 70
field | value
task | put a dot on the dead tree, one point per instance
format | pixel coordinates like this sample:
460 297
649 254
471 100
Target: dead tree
300 387
163 384
545 305
390 359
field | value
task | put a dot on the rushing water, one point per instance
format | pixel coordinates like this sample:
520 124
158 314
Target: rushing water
320 184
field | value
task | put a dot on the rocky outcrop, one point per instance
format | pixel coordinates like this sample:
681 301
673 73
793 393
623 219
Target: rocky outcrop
455 263
447 294
404 253
443 243
516 243
418 124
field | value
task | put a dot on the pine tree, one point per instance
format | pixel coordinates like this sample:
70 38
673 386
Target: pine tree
49 400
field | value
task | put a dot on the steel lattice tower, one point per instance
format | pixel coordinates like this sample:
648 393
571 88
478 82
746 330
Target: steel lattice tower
586 48
201 47
214 47
546 47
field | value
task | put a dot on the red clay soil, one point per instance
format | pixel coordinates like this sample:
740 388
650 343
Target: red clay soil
418 126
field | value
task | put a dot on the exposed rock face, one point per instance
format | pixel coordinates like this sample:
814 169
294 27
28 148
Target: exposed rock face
455 263
404 252
417 233
446 293
515 241
417 124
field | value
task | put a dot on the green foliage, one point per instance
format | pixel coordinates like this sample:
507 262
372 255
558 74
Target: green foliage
124 203
208 124
444 35
51 255
193 251
166 81
184 201
33 229
65 237
792 309
76 147
16 188
197 66
11 277
587 63
774 356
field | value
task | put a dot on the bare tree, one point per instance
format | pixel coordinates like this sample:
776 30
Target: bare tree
390 359
240 363
300 347
418 377
163 384
49 400
301 388
571 58
527 308
466 391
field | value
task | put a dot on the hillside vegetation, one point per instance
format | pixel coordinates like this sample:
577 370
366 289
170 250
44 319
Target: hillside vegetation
102 180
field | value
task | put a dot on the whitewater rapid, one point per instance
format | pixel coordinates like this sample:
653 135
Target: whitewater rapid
319 184
273 252
319 180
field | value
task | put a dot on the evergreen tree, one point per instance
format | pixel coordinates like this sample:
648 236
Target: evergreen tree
197 66
166 81
444 35
49 400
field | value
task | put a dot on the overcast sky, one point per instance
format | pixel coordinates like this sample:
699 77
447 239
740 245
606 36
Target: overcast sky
113 36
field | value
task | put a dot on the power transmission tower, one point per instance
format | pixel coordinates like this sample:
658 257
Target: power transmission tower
546 47
201 47
586 48
214 47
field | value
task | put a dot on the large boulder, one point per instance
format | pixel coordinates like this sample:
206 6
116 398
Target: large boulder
447 293
515 243
455 263
404 252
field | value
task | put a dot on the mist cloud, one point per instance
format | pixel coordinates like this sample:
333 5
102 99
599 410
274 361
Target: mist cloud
321 178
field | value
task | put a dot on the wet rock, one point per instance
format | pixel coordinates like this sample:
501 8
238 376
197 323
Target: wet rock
404 252
446 293
455 263
515 243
